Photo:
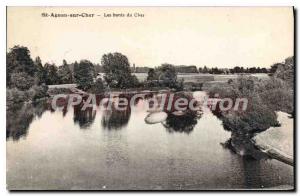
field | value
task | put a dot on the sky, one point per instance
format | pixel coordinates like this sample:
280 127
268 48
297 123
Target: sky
212 36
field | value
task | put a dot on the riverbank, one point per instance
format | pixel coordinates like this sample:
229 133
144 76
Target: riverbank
72 88
277 142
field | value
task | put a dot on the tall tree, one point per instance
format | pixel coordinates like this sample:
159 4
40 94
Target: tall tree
205 70
40 75
117 71
18 60
64 73
152 75
168 75
51 74
84 74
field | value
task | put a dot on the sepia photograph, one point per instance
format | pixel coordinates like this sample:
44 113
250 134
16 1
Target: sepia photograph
150 98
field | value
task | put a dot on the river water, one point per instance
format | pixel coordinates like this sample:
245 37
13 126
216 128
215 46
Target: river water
109 150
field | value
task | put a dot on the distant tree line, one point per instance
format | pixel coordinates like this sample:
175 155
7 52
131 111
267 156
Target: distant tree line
235 70
204 70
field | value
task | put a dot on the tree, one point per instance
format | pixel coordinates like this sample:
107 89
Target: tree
51 74
117 71
98 86
64 73
274 67
168 75
21 81
259 114
84 74
40 75
19 60
205 70
285 71
152 75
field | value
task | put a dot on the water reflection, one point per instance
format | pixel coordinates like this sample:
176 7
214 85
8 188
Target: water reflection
140 156
240 142
182 124
182 121
84 118
114 119
20 116
250 168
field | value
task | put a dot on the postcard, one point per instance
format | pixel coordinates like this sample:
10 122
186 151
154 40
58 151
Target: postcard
150 98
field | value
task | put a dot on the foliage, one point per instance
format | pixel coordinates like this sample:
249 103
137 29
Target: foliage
21 81
41 74
264 98
19 60
235 70
64 73
14 96
167 75
186 69
37 92
23 77
164 76
84 74
152 75
98 86
258 117
286 71
51 74
117 71
277 95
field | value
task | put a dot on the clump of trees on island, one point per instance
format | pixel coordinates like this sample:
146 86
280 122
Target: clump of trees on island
265 97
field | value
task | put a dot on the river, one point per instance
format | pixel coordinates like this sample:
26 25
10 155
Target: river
109 150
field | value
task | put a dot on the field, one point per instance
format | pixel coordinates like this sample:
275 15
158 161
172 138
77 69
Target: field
201 78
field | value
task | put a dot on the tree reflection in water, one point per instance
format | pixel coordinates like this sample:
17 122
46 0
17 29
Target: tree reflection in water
114 119
240 142
85 118
185 122
181 124
19 116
